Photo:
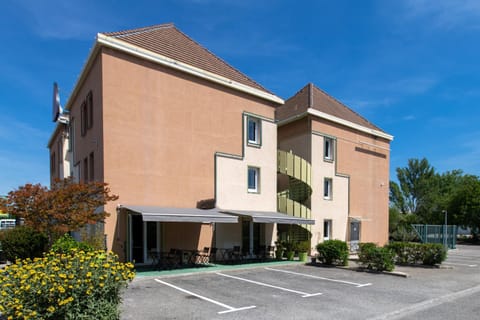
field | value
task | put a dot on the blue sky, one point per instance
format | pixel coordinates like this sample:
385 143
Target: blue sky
411 67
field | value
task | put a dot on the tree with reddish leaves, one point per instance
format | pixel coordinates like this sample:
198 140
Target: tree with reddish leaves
66 206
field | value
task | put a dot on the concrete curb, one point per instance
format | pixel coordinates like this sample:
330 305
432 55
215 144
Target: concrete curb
357 268
212 269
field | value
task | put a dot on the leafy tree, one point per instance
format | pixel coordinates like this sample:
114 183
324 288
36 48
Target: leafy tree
66 206
444 186
464 206
415 184
422 193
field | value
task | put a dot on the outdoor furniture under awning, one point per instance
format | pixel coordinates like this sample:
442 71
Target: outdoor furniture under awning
269 217
163 214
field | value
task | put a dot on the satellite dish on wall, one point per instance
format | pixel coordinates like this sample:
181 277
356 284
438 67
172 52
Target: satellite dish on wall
56 108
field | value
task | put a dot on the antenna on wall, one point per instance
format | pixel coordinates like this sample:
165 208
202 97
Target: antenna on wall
57 110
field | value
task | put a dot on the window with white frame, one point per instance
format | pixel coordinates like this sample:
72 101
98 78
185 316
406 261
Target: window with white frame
327 188
254 131
253 179
328 150
327 229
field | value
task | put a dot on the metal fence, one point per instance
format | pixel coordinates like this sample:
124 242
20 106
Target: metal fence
436 234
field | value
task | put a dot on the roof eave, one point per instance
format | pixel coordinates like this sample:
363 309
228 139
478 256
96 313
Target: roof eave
177 65
349 124
80 78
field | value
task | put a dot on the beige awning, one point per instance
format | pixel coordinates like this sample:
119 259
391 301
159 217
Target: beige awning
163 214
269 217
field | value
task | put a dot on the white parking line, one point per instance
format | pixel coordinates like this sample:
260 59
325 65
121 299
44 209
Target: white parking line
358 285
463 258
229 308
303 294
410 311
461 264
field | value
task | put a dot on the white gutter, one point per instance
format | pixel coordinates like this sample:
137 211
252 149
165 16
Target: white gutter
349 124
160 59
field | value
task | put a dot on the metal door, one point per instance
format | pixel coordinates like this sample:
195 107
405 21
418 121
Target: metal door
354 235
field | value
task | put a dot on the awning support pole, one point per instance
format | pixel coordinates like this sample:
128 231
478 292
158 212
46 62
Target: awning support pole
251 238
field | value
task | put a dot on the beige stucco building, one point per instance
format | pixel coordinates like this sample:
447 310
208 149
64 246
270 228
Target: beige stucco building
350 166
171 127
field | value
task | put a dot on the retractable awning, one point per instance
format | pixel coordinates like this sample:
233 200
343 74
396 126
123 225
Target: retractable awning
163 214
269 217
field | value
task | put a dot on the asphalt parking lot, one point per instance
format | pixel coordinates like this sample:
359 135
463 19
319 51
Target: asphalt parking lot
298 291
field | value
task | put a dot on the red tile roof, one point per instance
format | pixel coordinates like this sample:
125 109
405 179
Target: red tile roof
168 41
312 97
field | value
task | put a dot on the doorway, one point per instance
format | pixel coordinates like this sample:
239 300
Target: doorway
144 237
252 233
354 235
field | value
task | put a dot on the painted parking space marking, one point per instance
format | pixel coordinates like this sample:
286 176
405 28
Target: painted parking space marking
461 264
303 294
461 257
358 285
410 311
223 305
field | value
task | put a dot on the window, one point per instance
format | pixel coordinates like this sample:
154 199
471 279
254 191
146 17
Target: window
328 148
60 151
89 110
83 118
327 188
327 229
85 170
86 114
254 131
91 170
52 164
253 179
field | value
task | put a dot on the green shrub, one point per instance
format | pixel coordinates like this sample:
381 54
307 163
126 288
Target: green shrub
66 243
77 285
376 258
433 253
23 242
400 251
303 246
418 253
333 252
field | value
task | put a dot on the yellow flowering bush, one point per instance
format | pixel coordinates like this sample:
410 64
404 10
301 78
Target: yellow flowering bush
73 285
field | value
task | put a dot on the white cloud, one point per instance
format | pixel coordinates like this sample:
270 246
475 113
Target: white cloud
24 156
65 19
466 155
16 171
409 117
386 94
444 14
413 85
21 134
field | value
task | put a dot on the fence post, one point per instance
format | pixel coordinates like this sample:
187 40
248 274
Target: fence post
425 234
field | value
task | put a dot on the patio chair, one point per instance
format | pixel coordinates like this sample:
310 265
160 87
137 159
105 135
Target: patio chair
261 253
212 257
172 259
203 256
236 254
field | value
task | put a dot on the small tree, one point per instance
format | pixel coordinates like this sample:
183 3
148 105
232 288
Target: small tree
66 206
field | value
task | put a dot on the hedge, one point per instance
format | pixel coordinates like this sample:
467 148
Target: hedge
23 242
418 253
333 252
376 258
